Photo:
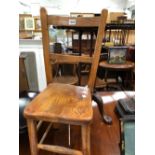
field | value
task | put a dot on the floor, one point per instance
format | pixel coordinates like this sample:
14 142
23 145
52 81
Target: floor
104 138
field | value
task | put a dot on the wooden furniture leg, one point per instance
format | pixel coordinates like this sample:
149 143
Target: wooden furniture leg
107 119
86 139
105 78
32 136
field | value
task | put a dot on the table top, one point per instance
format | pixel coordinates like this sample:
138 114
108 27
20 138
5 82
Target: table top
124 66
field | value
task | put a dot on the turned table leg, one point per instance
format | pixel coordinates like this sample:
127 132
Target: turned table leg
86 139
32 131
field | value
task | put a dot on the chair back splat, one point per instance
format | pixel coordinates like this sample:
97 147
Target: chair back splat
47 20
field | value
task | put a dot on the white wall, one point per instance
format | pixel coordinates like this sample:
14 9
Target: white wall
67 6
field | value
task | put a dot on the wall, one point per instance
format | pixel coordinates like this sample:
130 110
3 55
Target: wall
67 6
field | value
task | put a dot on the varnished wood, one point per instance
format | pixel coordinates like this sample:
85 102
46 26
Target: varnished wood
32 136
97 51
77 21
86 139
47 20
45 40
100 83
59 149
64 103
125 66
66 79
104 139
65 58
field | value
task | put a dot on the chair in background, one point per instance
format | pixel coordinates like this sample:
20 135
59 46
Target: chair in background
64 103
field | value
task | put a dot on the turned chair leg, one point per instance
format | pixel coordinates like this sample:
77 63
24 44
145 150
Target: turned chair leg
32 132
86 139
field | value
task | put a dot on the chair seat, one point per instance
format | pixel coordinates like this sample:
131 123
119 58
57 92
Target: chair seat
62 103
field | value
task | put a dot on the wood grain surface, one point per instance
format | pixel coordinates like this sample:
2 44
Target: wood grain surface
61 102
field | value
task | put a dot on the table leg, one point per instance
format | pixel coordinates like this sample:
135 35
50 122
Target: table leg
105 78
107 119
132 79
32 131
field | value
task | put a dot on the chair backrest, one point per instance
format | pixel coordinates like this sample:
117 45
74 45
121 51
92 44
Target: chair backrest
98 22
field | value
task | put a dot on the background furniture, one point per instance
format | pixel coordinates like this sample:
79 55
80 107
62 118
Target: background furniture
23 82
25 95
128 66
24 98
62 103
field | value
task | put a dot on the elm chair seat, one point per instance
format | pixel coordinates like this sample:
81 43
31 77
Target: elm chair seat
62 103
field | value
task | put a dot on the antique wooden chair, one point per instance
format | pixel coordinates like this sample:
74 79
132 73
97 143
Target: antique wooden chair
64 103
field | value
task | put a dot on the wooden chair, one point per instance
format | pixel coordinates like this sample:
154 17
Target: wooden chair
64 103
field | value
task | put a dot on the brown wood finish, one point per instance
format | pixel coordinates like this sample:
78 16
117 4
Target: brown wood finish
32 136
86 139
47 58
45 40
77 21
66 79
97 51
104 139
125 66
59 149
63 103
46 20
65 58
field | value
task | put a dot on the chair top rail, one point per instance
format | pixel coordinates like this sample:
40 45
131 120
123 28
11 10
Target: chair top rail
73 21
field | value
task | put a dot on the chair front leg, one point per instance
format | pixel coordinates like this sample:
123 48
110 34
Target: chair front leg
32 131
86 139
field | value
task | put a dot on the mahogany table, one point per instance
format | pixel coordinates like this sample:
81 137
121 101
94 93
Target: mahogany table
128 66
